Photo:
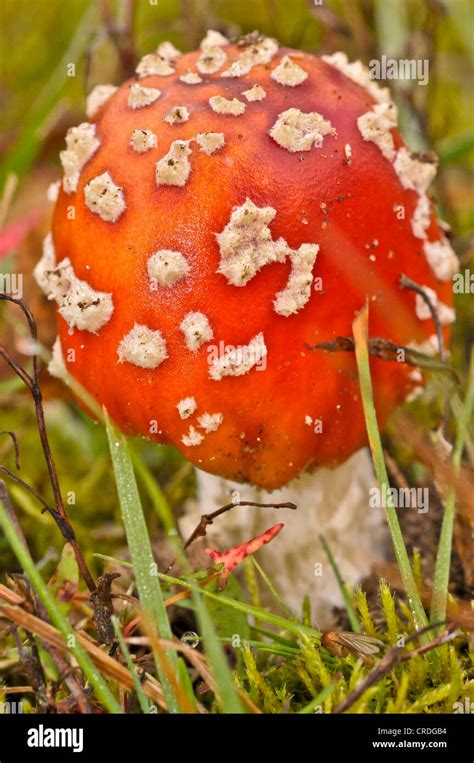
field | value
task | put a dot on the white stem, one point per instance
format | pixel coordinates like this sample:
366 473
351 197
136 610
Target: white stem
331 502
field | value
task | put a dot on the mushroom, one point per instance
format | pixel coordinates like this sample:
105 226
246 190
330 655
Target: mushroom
210 252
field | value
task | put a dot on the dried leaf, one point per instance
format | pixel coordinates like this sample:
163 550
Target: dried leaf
233 556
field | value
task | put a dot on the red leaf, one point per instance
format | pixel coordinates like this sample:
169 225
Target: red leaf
233 556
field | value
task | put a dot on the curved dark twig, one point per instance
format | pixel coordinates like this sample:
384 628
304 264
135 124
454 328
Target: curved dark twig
29 488
207 519
15 445
407 283
32 382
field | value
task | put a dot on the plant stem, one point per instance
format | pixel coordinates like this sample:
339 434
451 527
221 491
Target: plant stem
439 598
360 330
142 699
260 614
351 613
144 564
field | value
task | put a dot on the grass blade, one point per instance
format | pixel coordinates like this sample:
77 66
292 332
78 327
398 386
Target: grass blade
439 598
144 565
354 620
271 587
142 699
222 674
360 330
319 699
228 696
155 493
260 614
93 675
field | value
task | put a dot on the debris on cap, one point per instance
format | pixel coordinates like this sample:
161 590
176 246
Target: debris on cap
104 198
57 366
446 315
45 273
53 191
297 292
441 259
254 53
81 306
197 330
296 130
211 59
289 73
358 73
210 422
255 93
210 142
154 65
143 347
376 126
82 143
413 173
167 267
177 115
222 105
191 78
238 361
143 140
97 97
192 438
212 39
168 52
246 244
139 96
174 168
186 407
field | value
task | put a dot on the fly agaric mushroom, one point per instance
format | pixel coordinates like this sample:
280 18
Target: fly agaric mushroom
220 214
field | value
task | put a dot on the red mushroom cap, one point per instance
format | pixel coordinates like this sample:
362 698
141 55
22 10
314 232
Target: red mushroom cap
219 216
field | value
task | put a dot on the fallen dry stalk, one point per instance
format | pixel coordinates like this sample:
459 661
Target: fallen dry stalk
59 513
392 657
108 665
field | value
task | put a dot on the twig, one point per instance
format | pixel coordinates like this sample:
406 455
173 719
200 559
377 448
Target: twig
101 600
5 497
385 349
208 519
391 658
106 664
407 283
32 382
34 670
15 445
27 487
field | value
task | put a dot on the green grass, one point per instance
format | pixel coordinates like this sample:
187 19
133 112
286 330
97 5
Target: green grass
144 565
443 558
360 328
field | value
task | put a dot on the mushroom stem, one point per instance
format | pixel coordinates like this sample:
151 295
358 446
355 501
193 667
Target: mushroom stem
331 502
